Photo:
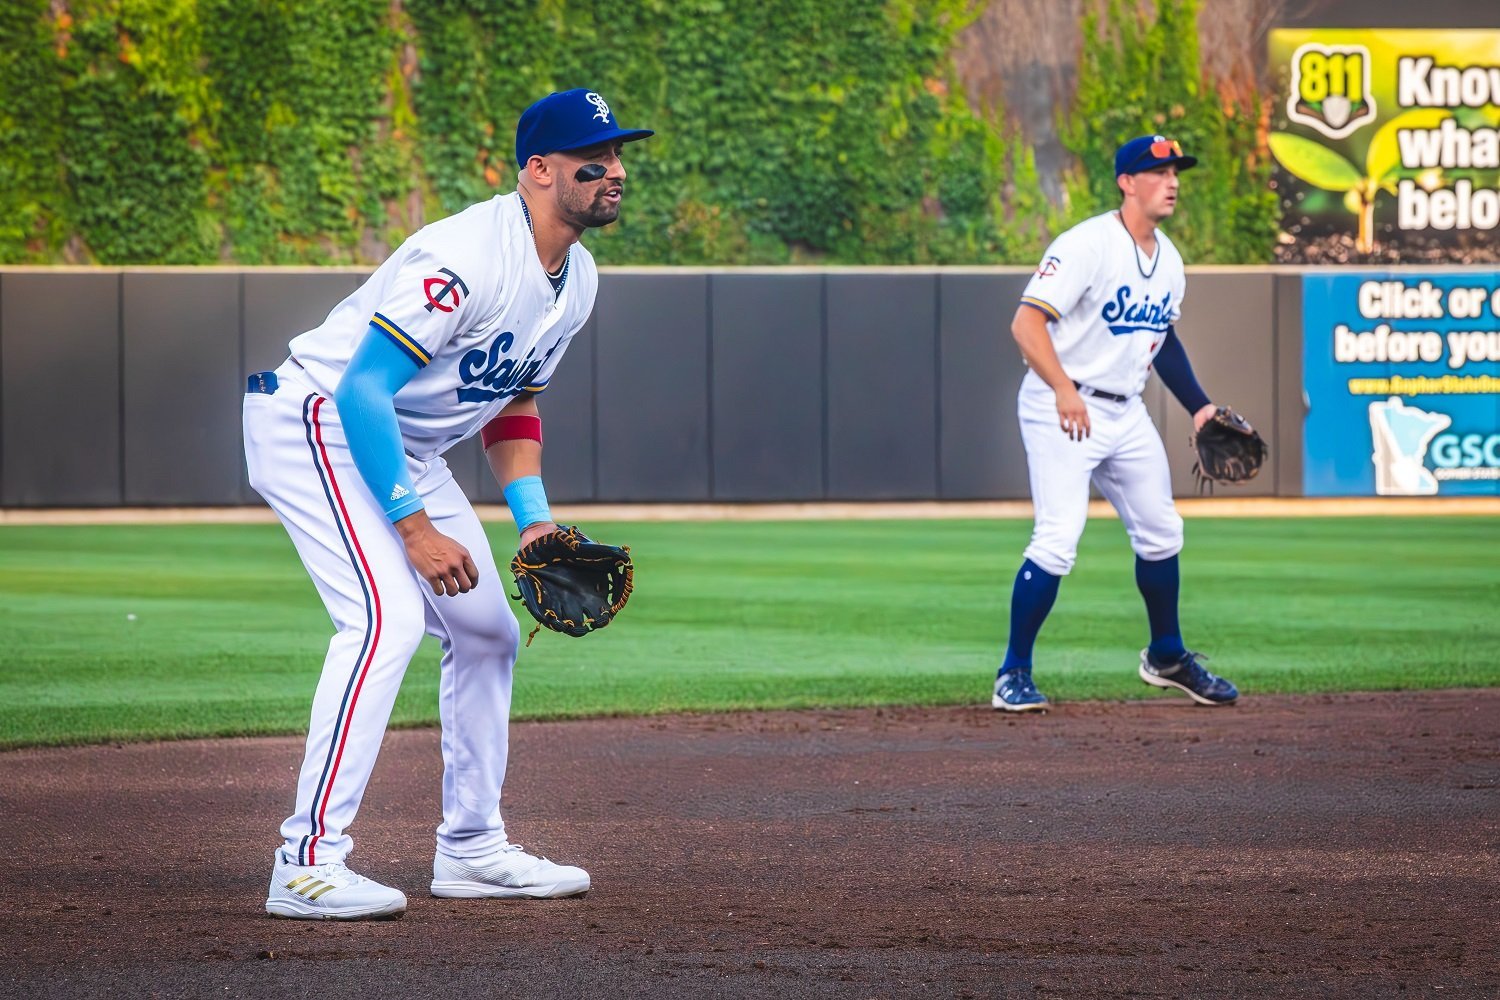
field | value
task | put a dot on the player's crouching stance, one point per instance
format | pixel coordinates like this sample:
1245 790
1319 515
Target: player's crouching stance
1095 317
454 335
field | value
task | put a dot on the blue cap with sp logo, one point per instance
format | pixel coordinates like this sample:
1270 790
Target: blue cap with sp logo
572 119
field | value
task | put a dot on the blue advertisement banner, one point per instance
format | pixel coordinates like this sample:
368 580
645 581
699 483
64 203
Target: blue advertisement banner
1402 377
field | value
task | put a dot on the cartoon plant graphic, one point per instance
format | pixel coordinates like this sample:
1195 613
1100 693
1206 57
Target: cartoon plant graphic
1323 168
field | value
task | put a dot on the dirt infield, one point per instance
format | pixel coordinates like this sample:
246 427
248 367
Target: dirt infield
1338 846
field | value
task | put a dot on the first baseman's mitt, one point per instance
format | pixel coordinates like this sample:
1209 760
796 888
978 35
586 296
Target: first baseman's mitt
1228 450
571 583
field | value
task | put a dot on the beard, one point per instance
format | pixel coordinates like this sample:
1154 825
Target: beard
589 210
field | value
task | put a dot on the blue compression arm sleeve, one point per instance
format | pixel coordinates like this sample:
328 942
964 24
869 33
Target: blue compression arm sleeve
1177 373
365 400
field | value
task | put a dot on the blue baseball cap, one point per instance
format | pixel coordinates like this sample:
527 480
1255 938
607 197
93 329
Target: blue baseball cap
573 119
1147 152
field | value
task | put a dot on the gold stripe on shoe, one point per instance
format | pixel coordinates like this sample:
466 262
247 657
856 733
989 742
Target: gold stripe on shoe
307 885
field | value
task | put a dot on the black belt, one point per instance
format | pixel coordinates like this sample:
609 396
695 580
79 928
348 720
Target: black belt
1113 397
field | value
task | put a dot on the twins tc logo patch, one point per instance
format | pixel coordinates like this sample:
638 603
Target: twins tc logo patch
450 286
1049 267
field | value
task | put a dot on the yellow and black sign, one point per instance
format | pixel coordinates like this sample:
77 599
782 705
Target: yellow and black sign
1388 145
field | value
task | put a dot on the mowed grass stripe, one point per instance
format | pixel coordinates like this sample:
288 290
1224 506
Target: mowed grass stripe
228 633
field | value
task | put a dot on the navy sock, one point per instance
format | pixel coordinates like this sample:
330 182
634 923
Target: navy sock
1159 585
1030 600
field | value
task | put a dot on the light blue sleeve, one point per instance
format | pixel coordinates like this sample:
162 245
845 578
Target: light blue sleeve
365 400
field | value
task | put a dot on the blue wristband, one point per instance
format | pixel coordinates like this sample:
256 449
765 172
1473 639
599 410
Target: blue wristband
528 501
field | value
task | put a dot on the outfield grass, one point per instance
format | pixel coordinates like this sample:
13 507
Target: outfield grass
127 633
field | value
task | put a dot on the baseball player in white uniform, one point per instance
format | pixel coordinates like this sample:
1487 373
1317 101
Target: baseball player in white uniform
1094 319
455 334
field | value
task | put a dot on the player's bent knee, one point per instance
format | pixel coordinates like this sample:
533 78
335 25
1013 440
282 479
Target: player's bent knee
1056 562
1155 548
1156 553
1161 541
402 634
502 629
481 619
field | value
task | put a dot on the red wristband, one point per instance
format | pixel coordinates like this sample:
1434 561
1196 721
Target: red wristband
512 428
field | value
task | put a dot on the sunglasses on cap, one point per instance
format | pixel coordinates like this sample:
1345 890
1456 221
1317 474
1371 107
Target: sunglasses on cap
1160 150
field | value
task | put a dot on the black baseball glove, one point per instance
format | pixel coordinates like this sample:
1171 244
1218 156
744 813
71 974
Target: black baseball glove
1228 450
571 583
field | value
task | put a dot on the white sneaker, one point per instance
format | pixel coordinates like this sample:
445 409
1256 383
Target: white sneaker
329 892
509 874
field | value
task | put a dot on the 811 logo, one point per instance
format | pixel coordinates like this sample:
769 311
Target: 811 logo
1331 88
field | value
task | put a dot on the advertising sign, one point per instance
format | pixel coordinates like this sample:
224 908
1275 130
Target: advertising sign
1387 145
1402 374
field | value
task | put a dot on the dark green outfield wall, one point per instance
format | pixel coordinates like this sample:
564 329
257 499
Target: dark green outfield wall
123 386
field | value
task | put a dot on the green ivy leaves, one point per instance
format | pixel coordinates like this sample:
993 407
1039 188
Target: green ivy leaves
325 131
1138 76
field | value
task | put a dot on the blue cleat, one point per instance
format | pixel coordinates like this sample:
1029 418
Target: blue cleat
1188 676
1014 692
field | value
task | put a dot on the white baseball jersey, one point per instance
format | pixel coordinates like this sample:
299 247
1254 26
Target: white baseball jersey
1108 305
1108 309
468 300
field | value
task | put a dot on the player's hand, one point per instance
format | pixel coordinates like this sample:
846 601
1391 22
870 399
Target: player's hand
1203 416
535 531
442 562
1072 413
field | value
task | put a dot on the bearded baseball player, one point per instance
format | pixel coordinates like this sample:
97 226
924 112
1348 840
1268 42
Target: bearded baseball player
455 334
1095 318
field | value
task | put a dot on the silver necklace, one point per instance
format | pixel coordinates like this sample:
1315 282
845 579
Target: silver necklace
1137 248
561 277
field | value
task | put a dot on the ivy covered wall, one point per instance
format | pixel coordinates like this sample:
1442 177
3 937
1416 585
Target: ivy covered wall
323 131
1141 74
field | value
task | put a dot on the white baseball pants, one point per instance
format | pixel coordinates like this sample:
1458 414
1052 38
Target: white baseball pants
1124 458
299 461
